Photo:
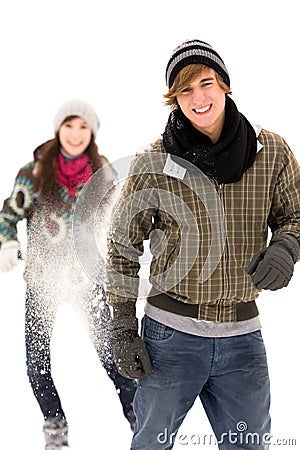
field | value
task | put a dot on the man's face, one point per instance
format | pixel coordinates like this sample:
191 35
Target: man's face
203 103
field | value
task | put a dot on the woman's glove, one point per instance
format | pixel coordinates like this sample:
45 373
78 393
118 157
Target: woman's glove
129 351
9 254
273 267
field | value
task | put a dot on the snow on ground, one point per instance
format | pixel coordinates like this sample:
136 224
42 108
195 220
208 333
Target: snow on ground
88 396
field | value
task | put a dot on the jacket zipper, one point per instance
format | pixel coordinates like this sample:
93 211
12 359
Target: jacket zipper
225 253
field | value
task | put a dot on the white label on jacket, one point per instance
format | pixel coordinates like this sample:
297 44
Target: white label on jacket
173 169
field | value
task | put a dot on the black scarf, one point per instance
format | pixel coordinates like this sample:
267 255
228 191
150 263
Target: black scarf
227 159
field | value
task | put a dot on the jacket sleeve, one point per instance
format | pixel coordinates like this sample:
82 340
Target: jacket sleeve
16 206
284 215
131 225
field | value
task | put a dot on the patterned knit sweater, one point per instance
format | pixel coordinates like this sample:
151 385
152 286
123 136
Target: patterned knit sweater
51 254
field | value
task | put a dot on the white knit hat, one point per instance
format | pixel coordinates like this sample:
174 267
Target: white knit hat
80 108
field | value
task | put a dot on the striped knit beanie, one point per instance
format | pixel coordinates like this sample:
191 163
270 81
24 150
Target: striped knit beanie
80 108
195 52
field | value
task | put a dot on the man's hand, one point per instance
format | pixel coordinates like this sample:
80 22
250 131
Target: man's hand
129 351
273 267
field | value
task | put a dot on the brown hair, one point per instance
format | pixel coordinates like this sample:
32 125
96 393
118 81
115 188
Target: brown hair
46 164
184 78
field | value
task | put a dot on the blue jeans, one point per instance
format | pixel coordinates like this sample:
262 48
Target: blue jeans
230 375
40 314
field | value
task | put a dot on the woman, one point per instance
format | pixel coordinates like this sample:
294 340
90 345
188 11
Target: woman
45 193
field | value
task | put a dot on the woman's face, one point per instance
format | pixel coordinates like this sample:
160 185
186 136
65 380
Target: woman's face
75 136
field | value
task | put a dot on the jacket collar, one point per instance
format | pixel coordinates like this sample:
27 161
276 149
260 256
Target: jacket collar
257 128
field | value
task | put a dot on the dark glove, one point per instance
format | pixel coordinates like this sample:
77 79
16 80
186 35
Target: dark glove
129 351
273 267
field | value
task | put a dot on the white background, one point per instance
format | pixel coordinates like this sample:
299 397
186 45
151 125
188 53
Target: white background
113 54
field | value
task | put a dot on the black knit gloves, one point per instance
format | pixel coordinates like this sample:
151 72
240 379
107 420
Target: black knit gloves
129 351
273 267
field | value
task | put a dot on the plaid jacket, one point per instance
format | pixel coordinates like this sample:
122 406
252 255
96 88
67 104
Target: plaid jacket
202 235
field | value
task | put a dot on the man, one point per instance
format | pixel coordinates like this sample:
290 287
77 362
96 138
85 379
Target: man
205 194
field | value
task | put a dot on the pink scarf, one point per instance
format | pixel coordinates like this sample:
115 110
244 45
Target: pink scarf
72 173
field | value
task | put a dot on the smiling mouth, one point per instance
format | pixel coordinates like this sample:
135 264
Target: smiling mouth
75 145
203 110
